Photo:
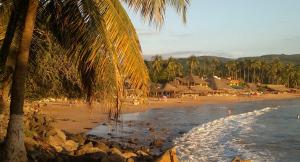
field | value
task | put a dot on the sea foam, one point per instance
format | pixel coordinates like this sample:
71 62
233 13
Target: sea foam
221 140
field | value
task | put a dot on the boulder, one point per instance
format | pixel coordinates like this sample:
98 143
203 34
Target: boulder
142 153
102 146
116 157
128 155
157 143
70 145
115 151
58 133
168 156
130 160
88 149
56 142
238 159
30 144
79 138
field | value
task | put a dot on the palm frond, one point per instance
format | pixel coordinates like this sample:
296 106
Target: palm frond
154 10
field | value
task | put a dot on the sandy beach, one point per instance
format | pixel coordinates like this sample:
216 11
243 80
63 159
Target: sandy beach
79 117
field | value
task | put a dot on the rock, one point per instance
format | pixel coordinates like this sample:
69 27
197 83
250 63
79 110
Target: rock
115 151
30 144
157 143
128 155
238 159
57 132
88 149
70 145
168 156
116 157
56 142
142 153
79 138
102 146
130 160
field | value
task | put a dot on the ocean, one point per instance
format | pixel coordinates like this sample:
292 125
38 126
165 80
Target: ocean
261 131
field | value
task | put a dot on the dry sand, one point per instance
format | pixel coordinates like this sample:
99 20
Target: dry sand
78 118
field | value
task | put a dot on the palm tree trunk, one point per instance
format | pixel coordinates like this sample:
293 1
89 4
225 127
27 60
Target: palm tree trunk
5 88
15 148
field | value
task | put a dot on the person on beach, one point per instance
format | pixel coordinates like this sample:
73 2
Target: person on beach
229 112
298 116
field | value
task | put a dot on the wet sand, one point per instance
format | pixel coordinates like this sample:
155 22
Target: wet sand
79 117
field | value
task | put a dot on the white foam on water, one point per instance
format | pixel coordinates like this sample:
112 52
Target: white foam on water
220 140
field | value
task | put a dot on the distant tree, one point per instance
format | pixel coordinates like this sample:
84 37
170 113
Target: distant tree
214 64
193 64
173 68
157 66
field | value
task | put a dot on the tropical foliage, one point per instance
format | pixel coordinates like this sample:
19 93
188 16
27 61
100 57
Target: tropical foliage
252 70
96 36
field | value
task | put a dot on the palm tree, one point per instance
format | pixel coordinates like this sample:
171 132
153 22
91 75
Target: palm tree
93 32
214 64
157 67
193 64
173 68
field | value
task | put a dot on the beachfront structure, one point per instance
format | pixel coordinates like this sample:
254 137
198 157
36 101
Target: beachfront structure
190 80
277 88
235 82
190 86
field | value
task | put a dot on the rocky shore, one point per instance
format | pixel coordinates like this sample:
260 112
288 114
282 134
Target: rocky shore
45 143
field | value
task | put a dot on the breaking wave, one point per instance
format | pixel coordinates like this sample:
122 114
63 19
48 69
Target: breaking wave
221 139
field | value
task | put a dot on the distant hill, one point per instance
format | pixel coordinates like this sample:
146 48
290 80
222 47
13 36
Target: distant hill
294 59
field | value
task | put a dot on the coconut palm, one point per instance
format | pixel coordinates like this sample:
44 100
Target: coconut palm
214 64
98 36
173 68
193 64
157 66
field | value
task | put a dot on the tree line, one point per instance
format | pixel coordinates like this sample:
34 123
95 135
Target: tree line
249 70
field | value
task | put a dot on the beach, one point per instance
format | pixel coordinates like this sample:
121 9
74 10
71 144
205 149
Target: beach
79 117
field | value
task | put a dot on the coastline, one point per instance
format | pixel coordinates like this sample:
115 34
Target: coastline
79 117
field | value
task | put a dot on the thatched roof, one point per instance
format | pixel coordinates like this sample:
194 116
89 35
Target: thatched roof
169 88
191 79
252 86
182 80
219 84
194 79
182 88
201 89
279 88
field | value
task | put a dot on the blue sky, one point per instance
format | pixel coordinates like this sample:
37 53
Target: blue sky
230 28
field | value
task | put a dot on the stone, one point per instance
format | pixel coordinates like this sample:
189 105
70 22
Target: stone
128 155
102 146
130 160
57 132
88 149
56 142
238 159
168 156
116 157
140 152
79 138
70 145
115 151
157 143
30 144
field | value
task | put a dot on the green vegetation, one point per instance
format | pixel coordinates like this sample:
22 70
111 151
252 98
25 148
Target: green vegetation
86 46
268 69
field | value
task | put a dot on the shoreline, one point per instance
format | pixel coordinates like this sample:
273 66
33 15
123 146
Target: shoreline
80 118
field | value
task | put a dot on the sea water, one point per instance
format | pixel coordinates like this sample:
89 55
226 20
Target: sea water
257 130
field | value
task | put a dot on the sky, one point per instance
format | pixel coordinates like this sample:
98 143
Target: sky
229 28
